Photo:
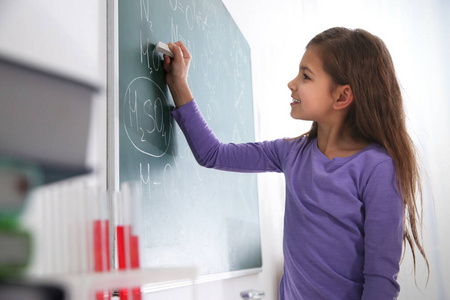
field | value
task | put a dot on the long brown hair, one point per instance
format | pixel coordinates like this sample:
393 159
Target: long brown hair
360 59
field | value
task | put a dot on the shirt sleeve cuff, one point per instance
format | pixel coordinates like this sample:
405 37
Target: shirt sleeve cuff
182 113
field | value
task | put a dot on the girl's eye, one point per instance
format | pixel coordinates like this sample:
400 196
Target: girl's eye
306 77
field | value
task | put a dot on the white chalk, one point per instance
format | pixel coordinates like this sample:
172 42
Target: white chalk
164 49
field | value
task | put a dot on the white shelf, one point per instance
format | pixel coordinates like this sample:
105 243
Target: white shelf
44 117
84 286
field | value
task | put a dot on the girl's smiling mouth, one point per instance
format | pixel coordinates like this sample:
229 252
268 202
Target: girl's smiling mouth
295 101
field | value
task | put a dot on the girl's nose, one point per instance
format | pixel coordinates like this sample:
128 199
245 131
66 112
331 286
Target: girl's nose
291 85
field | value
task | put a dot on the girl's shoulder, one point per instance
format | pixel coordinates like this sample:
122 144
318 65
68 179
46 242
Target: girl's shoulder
292 147
374 158
300 141
376 153
297 143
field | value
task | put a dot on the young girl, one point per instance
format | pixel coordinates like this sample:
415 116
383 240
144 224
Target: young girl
351 182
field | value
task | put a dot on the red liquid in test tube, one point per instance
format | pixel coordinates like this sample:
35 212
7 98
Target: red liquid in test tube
101 252
100 235
124 232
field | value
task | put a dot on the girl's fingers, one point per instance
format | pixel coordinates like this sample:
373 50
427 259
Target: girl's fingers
166 63
179 49
184 50
177 66
175 50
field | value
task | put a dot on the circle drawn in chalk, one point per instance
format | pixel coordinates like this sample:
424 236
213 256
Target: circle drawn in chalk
146 117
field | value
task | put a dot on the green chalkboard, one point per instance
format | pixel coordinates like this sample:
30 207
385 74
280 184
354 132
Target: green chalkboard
191 215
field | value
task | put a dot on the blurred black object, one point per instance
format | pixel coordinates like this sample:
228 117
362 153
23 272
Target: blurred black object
30 291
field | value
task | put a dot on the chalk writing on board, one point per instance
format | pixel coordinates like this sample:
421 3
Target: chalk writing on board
145 118
145 11
145 181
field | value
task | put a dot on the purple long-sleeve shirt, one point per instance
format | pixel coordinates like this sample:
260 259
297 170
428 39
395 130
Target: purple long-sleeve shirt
343 225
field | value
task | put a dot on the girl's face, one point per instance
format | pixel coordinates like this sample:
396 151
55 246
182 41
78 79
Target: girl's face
312 97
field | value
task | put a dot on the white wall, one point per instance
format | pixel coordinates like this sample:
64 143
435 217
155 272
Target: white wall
70 36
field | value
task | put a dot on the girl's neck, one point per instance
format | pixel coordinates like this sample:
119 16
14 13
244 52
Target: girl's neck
337 142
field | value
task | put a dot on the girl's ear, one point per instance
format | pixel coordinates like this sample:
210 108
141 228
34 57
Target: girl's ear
344 97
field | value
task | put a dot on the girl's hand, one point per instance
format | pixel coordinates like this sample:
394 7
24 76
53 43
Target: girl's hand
177 69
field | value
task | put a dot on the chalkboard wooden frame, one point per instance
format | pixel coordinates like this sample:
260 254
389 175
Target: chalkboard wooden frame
113 181
112 178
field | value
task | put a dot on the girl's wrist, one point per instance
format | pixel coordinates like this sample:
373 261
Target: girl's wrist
181 94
